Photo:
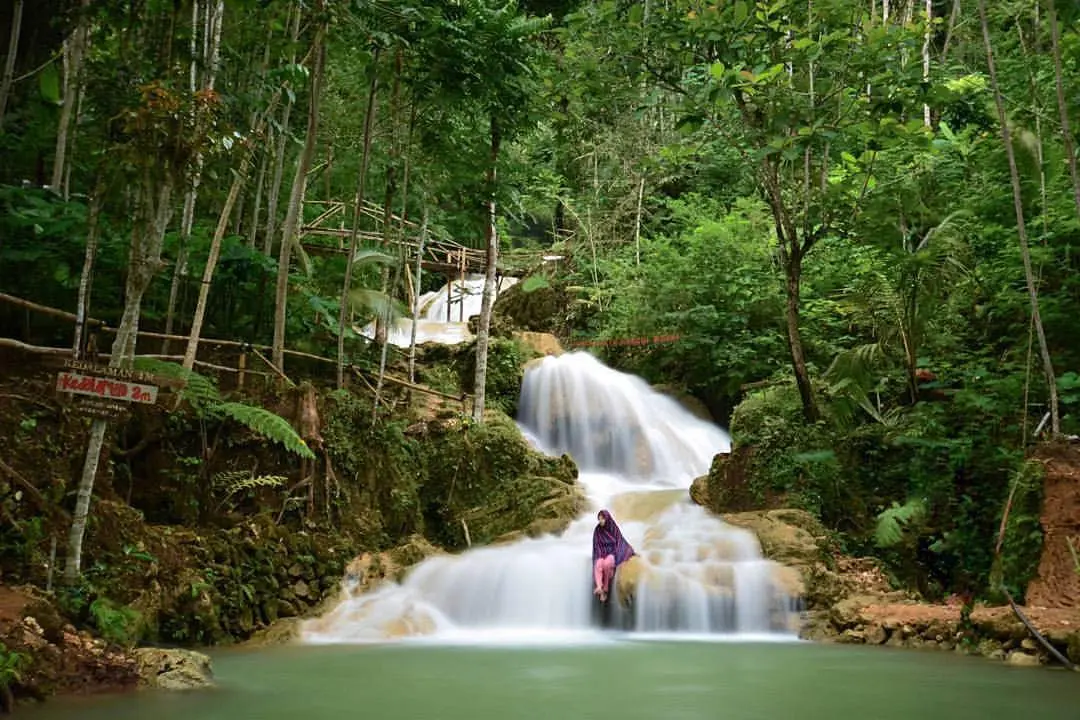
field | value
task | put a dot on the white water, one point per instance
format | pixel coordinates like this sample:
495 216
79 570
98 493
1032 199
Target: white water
638 452
462 300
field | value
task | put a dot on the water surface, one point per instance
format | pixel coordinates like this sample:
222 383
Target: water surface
623 680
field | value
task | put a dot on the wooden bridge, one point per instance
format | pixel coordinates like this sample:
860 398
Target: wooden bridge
330 232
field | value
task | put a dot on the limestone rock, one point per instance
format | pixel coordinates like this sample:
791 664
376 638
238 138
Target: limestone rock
1023 659
627 577
173 669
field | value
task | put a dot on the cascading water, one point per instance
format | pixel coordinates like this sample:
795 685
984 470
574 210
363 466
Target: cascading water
444 314
638 451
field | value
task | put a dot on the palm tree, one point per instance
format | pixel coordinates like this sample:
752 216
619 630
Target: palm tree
901 301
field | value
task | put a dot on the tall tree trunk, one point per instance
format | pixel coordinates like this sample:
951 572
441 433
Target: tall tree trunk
144 261
1063 106
282 137
358 206
260 185
86 280
12 54
491 258
211 44
74 50
1021 229
926 55
791 253
215 245
416 296
291 227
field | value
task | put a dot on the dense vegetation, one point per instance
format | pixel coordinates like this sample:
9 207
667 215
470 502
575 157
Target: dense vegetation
865 240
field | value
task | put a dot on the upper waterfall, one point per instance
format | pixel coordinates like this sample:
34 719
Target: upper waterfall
612 422
443 315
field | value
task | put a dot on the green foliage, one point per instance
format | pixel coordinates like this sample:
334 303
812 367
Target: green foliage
271 426
232 483
505 370
203 395
1022 545
116 623
896 521
12 664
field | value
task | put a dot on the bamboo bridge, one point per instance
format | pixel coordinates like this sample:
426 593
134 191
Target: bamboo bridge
330 232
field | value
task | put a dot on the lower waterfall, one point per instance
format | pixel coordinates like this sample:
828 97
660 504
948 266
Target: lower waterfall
638 451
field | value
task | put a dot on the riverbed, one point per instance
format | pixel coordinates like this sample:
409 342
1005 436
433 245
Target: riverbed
611 678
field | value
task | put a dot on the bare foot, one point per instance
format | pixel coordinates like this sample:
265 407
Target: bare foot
603 597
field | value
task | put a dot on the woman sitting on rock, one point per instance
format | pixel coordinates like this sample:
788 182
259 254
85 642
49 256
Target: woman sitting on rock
609 550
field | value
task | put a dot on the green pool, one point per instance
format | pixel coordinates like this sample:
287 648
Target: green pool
619 680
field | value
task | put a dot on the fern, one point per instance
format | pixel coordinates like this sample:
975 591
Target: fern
199 390
893 521
273 427
232 482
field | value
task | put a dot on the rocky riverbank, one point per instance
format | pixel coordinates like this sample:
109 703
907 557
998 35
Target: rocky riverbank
850 600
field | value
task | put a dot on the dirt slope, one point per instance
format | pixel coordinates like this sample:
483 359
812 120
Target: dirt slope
1057 584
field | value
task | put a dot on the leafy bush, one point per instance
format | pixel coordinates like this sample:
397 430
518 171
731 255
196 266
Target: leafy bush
116 623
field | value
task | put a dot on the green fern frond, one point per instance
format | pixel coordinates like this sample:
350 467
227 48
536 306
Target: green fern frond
231 482
198 390
893 521
273 427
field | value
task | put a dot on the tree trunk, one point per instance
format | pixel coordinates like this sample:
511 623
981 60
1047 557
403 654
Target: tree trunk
792 285
361 184
1063 106
1021 229
279 160
926 56
86 280
416 297
212 258
210 52
12 54
180 270
292 216
490 259
791 256
256 210
73 51
144 261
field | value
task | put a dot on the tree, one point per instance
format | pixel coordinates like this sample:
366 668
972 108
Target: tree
290 229
158 141
10 57
786 84
1021 228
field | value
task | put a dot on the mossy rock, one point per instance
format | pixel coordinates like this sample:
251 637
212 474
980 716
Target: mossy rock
531 306
487 476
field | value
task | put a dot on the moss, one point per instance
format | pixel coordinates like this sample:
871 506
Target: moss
487 476
505 371
540 309
379 469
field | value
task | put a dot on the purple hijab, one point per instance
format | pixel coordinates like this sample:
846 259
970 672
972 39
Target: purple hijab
609 540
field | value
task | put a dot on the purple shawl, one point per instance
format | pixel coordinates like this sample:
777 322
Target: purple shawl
609 540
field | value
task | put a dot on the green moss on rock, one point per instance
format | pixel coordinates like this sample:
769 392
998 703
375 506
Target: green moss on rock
486 478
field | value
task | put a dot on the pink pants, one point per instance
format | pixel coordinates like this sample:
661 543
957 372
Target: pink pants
603 571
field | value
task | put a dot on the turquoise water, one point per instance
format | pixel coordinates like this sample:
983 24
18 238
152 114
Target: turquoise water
622 680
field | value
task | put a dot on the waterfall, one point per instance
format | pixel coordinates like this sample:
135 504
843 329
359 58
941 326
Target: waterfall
637 451
461 299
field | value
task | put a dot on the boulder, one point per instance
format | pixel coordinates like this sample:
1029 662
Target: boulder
173 669
627 577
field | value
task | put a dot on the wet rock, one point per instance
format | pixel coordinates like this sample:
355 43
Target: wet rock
876 635
173 669
1023 659
301 589
627 577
